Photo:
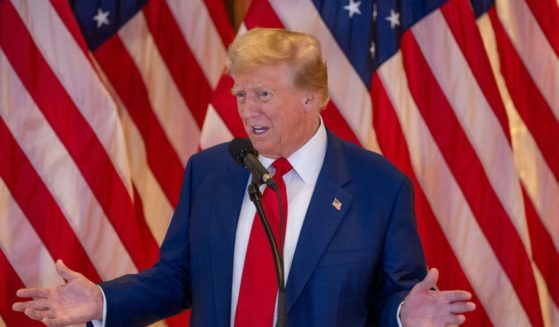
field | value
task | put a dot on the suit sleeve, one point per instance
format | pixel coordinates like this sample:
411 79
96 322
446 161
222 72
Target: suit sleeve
163 290
403 262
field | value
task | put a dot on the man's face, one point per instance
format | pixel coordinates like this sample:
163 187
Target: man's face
277 117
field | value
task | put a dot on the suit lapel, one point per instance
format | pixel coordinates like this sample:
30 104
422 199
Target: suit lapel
226 207
322 219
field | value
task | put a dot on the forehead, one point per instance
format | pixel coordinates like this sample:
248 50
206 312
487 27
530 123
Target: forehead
274 76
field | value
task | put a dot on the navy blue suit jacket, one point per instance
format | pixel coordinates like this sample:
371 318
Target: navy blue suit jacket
351 267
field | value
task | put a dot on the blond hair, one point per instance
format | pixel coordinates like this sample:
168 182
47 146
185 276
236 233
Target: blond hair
269 46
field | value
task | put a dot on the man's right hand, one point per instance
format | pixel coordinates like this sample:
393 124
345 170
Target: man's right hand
77 301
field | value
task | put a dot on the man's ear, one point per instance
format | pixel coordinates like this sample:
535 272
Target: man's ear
310 100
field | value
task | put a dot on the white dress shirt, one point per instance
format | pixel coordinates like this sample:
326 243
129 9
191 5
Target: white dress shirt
299 183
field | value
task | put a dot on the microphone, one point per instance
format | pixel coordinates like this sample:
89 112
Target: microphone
245 155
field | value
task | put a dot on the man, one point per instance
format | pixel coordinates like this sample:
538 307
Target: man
351 250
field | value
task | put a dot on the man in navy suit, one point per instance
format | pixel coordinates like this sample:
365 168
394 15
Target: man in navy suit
352 253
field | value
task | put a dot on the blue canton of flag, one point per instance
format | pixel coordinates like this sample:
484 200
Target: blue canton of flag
481 6
369 32
99 20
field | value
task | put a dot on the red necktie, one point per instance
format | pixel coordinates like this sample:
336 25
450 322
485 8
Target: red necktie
259 286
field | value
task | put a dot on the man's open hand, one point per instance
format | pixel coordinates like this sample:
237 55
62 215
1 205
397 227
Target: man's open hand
425 306
77 301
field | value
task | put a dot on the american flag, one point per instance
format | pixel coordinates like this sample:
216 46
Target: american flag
102 103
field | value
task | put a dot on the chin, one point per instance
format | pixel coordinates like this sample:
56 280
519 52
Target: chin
265 146
259 144
264 150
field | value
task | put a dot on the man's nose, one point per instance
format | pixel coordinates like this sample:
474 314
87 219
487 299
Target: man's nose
249 108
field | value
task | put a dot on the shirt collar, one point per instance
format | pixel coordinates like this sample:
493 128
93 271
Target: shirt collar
308 159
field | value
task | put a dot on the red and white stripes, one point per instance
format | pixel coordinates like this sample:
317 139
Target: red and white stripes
523 54
93 145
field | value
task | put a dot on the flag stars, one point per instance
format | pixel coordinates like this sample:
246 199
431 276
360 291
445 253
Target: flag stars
373 49
394 18
353 8
375 12
102 18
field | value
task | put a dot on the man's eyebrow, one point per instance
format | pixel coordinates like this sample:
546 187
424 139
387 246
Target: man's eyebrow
267 86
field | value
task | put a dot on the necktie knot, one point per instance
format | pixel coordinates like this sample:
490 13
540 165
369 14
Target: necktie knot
282 167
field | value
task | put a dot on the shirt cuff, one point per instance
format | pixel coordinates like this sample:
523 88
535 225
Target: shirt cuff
397 314
101 323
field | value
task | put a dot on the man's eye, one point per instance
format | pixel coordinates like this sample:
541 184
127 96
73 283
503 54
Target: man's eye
265 94
240 95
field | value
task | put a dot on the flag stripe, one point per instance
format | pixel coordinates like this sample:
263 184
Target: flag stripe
52 41
550 310
470 175
225 106
18 239
63 66
156 207
529 42
262 14
460 20
214 131
127 82
64 181
463 232
219 18
542 124
85 217
337 124
67 16
182 65
545 255
20 177
201 34
75 132
537 181
440 254
534 173
10 283
173 115
546 12
437 249
460 88
540 184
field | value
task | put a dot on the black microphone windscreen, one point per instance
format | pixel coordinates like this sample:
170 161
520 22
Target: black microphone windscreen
238 148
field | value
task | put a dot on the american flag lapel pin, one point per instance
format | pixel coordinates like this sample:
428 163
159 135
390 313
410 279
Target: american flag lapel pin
337 204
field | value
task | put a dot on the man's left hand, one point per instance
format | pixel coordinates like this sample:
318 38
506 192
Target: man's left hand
425 306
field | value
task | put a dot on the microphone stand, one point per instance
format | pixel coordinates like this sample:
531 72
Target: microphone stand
256 198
